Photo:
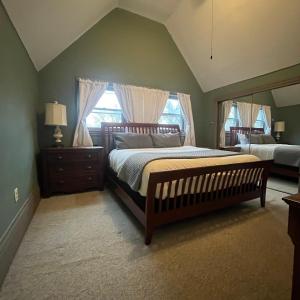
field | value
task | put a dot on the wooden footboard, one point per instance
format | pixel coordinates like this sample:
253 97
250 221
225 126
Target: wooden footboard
181 194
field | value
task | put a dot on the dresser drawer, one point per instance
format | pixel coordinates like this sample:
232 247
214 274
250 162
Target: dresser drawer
80 168
67 184
72 157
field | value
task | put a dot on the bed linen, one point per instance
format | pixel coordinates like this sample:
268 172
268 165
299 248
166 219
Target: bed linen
118 157
283 154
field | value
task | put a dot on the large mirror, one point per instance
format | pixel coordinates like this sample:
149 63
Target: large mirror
265 124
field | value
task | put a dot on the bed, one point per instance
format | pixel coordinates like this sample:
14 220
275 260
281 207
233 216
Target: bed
177 193
286 157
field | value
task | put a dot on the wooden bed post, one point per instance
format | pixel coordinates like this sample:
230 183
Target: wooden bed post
148 234
264 181
149 213
263 198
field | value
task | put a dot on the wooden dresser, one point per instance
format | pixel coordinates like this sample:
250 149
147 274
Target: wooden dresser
72 169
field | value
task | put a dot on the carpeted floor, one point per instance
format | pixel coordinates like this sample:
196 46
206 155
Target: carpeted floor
88 246
283 185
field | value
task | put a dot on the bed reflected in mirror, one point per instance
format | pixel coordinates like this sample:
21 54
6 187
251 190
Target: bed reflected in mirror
264 124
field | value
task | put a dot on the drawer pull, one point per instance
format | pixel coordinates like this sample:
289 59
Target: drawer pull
89 156
61 182
90 178
89 167
59 157
61 169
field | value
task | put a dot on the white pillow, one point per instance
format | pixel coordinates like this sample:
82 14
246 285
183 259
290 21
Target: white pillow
243 140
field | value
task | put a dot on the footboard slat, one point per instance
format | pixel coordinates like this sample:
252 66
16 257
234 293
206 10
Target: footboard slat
248 182
218 185
197 182
182 192
189 190
212 188
207 184
168 195
201 191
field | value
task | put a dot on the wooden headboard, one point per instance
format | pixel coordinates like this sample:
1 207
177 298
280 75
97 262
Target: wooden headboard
244 130
107 130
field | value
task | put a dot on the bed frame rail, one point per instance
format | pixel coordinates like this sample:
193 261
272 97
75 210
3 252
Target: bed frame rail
205 189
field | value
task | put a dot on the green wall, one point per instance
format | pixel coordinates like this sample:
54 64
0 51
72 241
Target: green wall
291 115
209 113
122 47
18 101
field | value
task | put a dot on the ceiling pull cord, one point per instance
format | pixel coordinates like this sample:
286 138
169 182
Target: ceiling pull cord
212 29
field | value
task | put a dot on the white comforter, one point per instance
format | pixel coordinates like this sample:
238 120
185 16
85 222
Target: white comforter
263 151
118 157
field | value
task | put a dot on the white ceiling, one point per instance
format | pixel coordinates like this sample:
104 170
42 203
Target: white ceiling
157 10
251 37
48 27
287 96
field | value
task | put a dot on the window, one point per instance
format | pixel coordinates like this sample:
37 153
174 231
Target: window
106 110
233 119
261 120
172 113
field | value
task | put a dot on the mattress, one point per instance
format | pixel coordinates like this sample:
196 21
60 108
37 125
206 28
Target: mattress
118 157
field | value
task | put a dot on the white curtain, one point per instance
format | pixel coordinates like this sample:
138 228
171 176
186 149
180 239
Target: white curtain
89 94
255 110
244 109
186 106
267 110
140 104
226 108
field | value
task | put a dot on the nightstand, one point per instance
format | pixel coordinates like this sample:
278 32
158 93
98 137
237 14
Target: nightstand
71 170
231 148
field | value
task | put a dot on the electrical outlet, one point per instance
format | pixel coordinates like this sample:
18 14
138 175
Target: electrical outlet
16 192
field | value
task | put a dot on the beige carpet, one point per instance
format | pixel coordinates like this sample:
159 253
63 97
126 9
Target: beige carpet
283 185
87 246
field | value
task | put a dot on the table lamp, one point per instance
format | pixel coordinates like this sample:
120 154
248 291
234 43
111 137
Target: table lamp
56 116
279 127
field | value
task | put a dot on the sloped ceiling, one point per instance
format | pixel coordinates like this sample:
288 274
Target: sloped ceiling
250 37
48 27
287 96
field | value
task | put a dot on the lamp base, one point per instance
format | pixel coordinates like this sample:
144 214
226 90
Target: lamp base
277 136
58 137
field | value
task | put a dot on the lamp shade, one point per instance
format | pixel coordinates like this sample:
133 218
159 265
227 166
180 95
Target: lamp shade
279 126
55 114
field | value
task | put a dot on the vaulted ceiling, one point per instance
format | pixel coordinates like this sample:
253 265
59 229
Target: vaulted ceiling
248 37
